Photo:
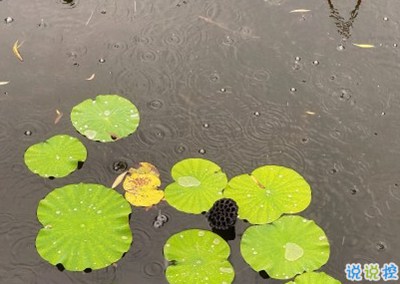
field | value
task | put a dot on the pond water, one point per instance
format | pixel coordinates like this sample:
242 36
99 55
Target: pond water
242 83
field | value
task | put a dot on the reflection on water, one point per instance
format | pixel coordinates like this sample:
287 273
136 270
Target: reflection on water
343 26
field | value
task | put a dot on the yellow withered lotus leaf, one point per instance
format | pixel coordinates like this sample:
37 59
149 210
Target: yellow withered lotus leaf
141 185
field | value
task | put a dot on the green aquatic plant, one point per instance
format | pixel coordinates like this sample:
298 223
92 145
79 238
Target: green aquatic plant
314 278
56 157
84 226
268 192
106 118
286 247
198 256
198 184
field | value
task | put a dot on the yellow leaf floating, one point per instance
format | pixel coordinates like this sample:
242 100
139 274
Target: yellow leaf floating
15 50
361 45
141 185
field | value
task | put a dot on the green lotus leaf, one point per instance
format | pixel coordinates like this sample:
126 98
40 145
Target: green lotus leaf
286 247
84 226
314 278
56 157
106 119
269 192
198 256
198 184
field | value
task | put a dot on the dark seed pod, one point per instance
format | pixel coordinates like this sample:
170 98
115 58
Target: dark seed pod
223 214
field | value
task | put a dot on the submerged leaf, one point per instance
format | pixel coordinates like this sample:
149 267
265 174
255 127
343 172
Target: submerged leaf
84 226
198 256
15 50
361 45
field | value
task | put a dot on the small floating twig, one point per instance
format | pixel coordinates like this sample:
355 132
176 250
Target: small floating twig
88 21
16 51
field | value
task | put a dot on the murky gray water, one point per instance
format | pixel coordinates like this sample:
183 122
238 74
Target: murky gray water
242 83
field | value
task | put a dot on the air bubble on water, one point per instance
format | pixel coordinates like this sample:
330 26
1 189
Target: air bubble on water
8 20
297 58
28 133
202 151
394 44
315 62
385 19
102 60
293 90
256 113
206 125
223 90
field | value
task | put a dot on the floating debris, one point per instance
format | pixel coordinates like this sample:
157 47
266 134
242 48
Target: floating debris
2 83
310 112
91 77
300 11
361 45
119 179
15 50
58 117
8 20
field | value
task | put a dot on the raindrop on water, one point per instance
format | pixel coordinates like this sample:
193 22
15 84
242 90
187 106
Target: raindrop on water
119 166
8 20
102 60
158 224
380 245
383 113
103 12
315 62
256 113
340 47
333 171
202 151
345 95
28 133
353 191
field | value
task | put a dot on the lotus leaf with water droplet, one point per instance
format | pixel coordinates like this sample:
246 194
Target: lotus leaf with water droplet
314 278
56 157
84 226
106 118
198 256
268 192
286 247
198 184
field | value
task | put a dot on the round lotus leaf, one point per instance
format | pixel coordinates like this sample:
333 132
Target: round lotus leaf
198 256
84 226
198 184
268 192
286 247
106 118
314 278
56 157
